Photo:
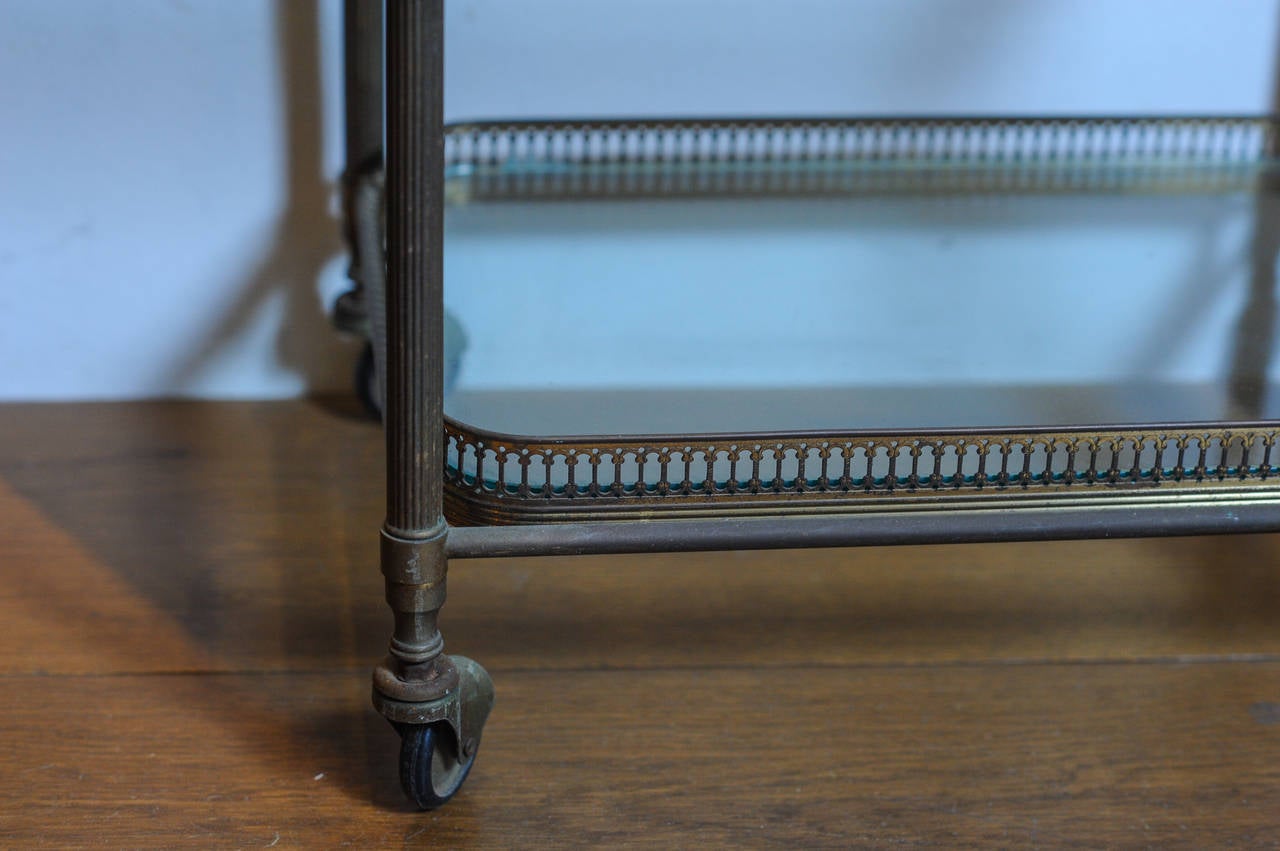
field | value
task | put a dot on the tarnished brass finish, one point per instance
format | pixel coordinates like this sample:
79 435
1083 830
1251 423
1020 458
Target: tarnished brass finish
1117 516
415 572
413 559
494 479
418 688
464 707
437 703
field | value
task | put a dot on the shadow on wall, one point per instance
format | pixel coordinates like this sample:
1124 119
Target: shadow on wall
306 240
306 235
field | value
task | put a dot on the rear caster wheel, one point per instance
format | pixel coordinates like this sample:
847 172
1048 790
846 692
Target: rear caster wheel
432 768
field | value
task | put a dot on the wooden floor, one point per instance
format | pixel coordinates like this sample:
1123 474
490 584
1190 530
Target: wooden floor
190 607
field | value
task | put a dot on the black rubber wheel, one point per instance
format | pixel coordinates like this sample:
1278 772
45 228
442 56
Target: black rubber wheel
367 383
431 768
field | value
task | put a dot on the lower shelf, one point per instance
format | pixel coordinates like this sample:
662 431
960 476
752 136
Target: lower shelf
1106 270
494 479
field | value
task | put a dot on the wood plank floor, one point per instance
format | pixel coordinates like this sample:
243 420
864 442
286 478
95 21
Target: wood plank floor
190 606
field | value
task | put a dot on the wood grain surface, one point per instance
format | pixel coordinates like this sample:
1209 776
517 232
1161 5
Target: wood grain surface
190 606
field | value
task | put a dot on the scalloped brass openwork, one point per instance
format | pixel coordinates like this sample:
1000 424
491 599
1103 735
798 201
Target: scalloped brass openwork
495 479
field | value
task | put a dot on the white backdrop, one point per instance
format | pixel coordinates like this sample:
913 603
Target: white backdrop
167 167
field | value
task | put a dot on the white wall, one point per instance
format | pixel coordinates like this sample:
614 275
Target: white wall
167 167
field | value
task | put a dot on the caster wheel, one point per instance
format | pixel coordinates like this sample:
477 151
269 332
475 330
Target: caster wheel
431 768
366 381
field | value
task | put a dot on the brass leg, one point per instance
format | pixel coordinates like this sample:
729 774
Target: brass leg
437 703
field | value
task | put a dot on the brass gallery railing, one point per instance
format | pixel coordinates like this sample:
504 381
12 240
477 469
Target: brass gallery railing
494 478
803 156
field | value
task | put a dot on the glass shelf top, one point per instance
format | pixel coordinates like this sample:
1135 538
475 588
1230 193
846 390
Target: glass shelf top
646 294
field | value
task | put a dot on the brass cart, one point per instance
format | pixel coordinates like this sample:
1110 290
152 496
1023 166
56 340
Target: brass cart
1142 459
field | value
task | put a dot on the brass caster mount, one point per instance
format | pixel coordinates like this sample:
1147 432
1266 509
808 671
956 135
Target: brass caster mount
439 738
437 703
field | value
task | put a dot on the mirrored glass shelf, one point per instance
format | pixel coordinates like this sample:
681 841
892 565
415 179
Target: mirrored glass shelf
774 315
